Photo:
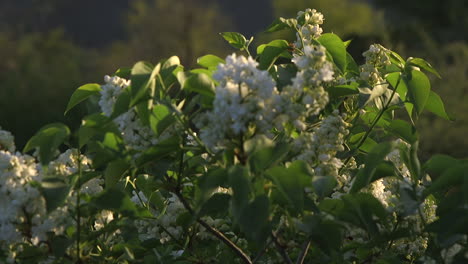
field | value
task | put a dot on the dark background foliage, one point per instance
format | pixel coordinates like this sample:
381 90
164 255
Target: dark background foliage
50 47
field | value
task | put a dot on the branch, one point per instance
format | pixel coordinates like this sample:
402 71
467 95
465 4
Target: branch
215 231
280 248
305 249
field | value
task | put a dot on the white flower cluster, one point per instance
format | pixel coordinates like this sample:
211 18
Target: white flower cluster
307 86
245 98
7 141
319 148
135 135
163 227
377 57
311 28
20 202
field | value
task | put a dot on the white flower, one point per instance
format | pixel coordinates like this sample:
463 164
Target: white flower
245 98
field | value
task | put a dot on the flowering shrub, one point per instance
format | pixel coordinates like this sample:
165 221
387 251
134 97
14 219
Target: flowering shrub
294 155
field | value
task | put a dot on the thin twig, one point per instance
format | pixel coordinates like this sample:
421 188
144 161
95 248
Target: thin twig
305 249
215 231
281 249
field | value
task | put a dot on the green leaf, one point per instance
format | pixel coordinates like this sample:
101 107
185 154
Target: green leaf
81 94
362 209
48 139
270 52
435 105
421 63
367 96
395 79
254 219
200 83
159 151
325 234
208 182
122 104
114 172
240 184
403 130
365 176
419 89
368 144
290 183
264 158
351 66
210 61
117 201
160 119
336 48
235 39
123 73
143 75
342 90
451 177
280 24
55 191
216 205
438 163
323 185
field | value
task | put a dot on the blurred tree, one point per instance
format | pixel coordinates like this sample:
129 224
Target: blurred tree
439 135
347 18
39 71
158 29
444 21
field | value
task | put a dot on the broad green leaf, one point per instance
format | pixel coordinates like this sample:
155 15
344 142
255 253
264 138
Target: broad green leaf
419 89
114 172
117 201
144 76
200 83
435 105
210 61
366 146
264 158
159 151
256 143
55 191
254 219
123 73
403 130
217 205
141 72
48 139
450 178
438 163
395 79
95 126
373 159
208 182
325 234
291 182
363 210
282 23
122 104
235 39
342 90
421 63
270 52
336 48
323 185
169 63
82 93
351 66
160 119
240 184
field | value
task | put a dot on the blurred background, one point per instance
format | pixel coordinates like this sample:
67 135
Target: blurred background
48 48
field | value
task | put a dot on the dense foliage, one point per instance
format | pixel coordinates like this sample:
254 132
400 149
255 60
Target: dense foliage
292 155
